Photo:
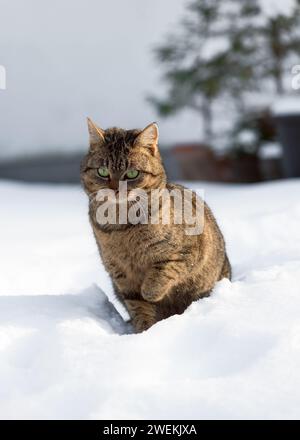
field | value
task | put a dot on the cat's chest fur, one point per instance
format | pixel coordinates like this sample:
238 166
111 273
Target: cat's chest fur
125 255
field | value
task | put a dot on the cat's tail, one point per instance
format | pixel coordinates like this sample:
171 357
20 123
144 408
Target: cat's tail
226 271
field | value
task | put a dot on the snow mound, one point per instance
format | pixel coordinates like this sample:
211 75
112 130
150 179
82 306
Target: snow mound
289 105
67 353
272 8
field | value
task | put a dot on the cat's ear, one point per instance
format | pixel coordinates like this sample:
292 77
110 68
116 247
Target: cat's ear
96 134
149 138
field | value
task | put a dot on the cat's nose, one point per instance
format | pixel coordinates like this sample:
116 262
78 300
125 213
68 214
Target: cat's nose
114 184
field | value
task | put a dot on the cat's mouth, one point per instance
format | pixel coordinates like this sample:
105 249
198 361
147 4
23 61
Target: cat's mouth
120 208
117 197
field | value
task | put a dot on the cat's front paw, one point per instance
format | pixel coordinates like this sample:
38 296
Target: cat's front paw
140 324
143 314
152 295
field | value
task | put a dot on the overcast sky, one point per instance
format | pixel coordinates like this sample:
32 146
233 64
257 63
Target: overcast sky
69 59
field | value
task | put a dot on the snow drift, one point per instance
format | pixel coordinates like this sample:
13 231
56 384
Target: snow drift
67 353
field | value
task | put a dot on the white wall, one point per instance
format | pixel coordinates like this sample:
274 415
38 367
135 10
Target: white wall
69 59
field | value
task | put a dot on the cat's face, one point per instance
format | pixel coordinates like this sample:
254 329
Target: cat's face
122 155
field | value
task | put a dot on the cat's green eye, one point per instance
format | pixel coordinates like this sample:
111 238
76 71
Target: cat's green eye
103 172
132 174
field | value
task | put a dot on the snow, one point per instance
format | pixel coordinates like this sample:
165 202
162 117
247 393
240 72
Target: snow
214 47
287 105
66 352
272 8
247 137
270 150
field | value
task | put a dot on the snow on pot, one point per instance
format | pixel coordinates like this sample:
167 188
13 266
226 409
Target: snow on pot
270 155
287 117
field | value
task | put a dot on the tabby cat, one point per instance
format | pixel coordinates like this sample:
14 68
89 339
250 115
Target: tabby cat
157 269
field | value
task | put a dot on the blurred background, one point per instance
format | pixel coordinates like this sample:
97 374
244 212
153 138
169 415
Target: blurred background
222 78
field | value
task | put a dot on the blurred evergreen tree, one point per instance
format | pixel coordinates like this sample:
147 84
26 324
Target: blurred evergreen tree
280 36
224 48
208 57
